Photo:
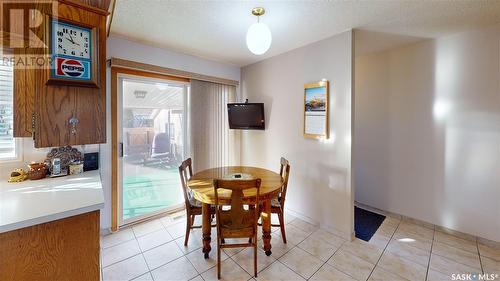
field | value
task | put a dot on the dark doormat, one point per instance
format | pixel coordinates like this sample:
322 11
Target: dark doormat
366 223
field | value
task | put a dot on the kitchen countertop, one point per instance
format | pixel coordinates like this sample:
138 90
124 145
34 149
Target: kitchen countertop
30 202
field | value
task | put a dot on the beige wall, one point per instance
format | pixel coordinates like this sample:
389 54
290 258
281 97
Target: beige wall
428 131
319 187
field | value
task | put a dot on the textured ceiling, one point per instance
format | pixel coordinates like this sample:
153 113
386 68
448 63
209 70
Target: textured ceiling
216 29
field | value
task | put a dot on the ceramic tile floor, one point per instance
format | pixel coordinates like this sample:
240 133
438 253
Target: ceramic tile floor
400 250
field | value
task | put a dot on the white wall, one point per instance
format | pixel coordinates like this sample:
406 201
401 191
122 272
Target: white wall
319 188
125 49
28 154
427 126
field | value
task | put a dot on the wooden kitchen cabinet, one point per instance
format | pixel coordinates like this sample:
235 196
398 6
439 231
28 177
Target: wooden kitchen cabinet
61 250
44 111
24 97
51 236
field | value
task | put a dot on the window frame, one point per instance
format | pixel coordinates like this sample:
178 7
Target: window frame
18 152
18 143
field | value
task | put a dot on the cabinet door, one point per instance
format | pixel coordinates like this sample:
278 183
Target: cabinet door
23 102
52 106
91 105
24 96
56 105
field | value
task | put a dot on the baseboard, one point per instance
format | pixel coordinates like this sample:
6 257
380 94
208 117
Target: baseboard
301 216
378 211
104 231
429 225
329 228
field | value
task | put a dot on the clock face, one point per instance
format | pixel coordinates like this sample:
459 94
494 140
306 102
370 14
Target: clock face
72 57
72 41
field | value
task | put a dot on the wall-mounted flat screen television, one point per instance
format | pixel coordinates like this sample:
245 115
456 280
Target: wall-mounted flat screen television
246 116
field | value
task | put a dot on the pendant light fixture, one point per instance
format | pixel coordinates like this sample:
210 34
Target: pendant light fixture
258 35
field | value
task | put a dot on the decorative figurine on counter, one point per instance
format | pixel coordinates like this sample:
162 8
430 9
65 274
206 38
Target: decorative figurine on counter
18 175
60 158
75 167
37 171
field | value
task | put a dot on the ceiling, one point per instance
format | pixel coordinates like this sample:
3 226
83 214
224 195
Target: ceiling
216 30
154 95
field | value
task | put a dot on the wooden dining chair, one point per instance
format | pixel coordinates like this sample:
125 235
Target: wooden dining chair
278 203
193 206
237 222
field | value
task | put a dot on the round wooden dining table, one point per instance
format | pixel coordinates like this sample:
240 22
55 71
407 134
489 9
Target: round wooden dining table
201 185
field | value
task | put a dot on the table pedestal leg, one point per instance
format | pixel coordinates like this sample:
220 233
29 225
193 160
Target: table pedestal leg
266 226
206 229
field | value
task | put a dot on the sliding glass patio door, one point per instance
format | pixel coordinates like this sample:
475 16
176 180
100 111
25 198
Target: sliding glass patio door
153 141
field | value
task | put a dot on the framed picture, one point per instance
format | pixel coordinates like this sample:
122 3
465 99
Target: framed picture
73 50
316 109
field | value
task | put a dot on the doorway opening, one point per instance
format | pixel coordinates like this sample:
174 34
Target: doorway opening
153 140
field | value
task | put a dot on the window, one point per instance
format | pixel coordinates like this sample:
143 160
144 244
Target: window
8 145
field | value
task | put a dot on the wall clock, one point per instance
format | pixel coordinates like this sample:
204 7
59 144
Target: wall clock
73 51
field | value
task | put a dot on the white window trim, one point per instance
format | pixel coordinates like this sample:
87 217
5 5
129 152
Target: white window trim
18 153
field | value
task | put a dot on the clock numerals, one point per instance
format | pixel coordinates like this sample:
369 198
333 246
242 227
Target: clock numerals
73 41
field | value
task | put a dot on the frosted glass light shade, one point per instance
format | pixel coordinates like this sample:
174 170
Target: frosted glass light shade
259 38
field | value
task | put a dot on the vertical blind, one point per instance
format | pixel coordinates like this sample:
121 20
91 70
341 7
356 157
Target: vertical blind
212 143
7 143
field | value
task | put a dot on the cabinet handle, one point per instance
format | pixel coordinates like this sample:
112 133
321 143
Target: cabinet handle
121 149
73 122
33 125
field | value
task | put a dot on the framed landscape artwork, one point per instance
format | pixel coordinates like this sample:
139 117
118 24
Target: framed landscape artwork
316 109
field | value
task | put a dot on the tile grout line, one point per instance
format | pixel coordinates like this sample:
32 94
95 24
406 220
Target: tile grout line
231 258
277 259
185 254
135 238
455 237
326 262
455 261
480 259
140 250
430 255
295 246
383 251
142 254
127 258
200 273
452 246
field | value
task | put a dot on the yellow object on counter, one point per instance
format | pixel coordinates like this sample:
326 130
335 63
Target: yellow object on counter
18 175
75 168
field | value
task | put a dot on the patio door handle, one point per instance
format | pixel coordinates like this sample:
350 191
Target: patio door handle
120 152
